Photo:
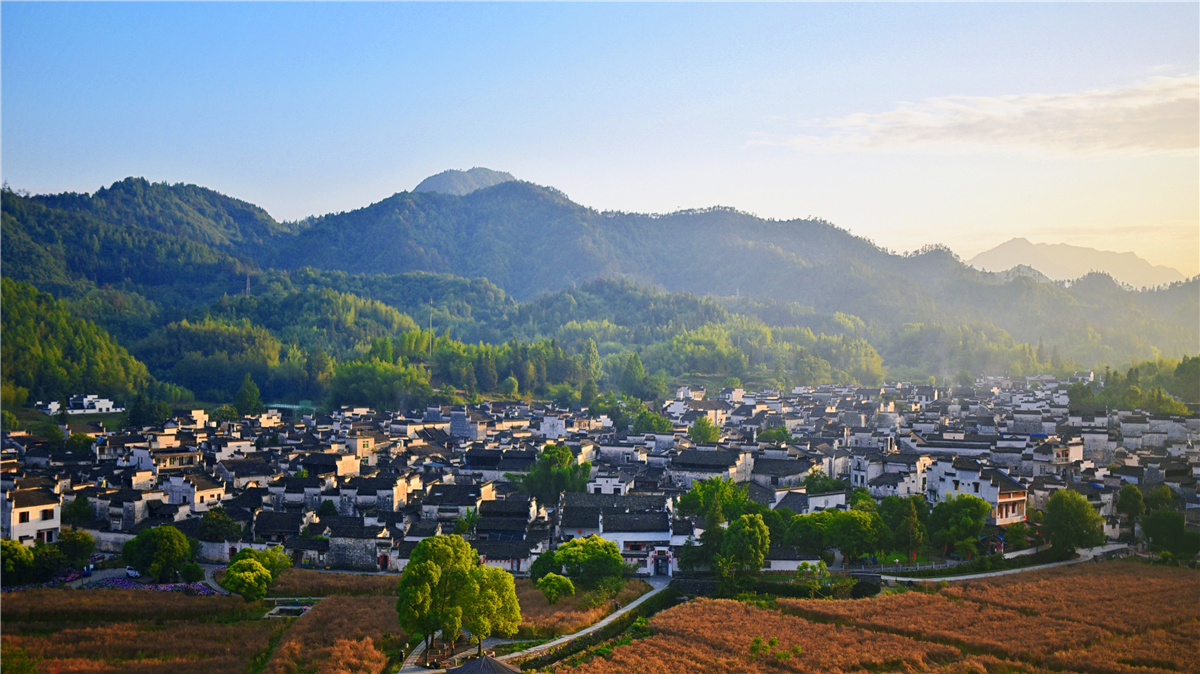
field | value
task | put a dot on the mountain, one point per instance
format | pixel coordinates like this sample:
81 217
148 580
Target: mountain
463 182
531 240
1063 262
688 290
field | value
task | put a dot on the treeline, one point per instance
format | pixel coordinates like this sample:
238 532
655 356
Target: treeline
1156 386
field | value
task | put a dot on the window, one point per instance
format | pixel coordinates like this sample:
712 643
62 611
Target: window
976 487
24 517
47 514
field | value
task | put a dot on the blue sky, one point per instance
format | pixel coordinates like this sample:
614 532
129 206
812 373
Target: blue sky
963 124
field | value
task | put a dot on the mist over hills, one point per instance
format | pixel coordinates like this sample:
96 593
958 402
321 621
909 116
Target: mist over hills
1064 262
706 291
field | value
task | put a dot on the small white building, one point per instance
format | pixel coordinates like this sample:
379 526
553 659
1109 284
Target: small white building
31 516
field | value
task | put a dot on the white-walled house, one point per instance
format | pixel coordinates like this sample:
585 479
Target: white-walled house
31 516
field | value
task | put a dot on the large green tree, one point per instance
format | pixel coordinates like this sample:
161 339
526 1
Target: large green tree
590 560
854 532
158 552
1131 504
248 578
1072 522
437 585
957 522
1165 531
216 525
746 544
704 431
494 607
247 401
555 472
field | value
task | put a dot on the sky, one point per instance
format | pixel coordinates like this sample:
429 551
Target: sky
909 124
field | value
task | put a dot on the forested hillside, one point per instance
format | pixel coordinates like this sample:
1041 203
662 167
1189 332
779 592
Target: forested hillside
532 240
205 289
52 354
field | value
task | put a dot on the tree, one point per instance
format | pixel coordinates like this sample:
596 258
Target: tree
1130 503
861 499
216 525
734 498
1016 535
1165 531
704 431
633 377
1072 522
17 562
1159 497
274 559
191 573
248 578
47 560
544 564
590 560
509 387
909 534
649 422
854 532
158 552
588 393
465 526
79 444
494 607
225 413
746 543
556 471
247 401
437 584
76 546
78 512
817 482
957 522
554 586
327 509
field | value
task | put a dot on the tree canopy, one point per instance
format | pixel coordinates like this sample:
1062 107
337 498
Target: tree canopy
158 552
437 586
1072 522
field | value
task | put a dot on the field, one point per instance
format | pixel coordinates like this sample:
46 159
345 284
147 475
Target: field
540 619
1110 618
570 614
309 583
132 631
339 634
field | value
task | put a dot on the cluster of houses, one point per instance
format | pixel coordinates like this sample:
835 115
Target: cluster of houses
358 489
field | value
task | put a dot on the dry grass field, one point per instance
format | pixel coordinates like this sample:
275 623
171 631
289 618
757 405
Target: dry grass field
1109 618
339 634
132 631
541 619
309 583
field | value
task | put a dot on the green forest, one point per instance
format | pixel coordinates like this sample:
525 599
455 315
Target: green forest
178 292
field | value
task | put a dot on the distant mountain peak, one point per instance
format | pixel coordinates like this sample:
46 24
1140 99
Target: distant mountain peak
460 183
1064 262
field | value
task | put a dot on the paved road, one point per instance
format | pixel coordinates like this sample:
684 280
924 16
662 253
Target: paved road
1085 555
97 575
103 574
657 584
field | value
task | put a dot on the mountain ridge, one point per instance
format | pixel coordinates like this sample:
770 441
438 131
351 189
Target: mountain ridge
1066 262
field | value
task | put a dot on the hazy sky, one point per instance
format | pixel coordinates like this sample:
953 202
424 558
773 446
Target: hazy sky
963 124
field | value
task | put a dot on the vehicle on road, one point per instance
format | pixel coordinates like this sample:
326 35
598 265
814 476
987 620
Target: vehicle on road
131 572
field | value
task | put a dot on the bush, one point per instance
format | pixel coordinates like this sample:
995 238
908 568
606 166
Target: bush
248 578
192 573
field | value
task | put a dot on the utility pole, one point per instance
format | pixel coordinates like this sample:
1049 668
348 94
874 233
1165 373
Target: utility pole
431 326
